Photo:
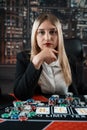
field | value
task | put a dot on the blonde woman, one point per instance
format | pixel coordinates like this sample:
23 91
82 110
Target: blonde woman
45 69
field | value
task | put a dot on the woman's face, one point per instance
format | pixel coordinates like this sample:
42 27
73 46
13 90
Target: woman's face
47 35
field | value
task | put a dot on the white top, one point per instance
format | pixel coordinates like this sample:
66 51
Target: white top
52 80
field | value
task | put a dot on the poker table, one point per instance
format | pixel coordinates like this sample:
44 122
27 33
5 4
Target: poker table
42 122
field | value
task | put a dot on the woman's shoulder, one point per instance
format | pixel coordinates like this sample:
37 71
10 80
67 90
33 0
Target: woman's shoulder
23 55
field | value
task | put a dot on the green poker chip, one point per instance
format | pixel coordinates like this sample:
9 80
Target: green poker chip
31 114
5 115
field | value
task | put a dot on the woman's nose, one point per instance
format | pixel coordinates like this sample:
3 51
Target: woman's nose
47 36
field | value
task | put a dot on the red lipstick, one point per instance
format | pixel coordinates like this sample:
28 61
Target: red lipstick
48 44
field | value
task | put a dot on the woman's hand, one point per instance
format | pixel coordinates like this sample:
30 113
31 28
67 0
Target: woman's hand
47 55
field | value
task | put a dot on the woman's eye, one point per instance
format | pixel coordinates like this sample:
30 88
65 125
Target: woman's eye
52 32
41 32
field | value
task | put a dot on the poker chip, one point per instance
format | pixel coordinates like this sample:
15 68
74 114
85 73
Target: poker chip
55 107
31 114
34 107
23 118
82 103
41 104
14 116
37 102
85 96
29 101
64 105
53 100
17 104
5 115
69 94
61 100
55 96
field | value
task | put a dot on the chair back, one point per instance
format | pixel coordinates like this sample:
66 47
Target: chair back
74 49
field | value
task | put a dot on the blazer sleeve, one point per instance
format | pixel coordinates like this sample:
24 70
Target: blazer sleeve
26 79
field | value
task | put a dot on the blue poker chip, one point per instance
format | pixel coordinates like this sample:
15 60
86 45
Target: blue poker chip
30 100
61 100
14 116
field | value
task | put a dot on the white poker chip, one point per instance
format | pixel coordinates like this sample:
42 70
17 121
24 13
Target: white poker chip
82 103
41 104
85 96
37 102
69 94
55 96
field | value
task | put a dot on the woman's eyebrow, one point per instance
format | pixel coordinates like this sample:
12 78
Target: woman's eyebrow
47 29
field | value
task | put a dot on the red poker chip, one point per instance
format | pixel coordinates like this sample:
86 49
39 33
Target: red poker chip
23 118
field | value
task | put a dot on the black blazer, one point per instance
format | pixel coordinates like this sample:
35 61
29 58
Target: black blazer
27 76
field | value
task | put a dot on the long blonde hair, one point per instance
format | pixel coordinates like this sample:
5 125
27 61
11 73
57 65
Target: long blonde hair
62 54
